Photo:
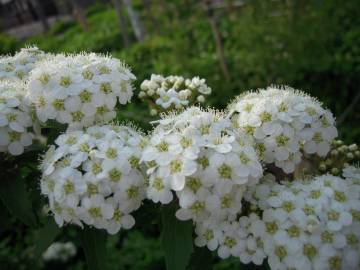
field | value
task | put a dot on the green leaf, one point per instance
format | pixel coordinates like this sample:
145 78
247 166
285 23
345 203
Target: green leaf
201 259
15 197
93 242
45 236
176 239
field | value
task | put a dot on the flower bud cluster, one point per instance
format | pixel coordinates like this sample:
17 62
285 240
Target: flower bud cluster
94 177
339 157
16 123
79 90
17 67
173 92
284 122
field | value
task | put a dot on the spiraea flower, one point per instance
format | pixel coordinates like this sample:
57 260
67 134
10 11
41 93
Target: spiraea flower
16 123
173 92
198 156
285 123
18 67
309 224
93 177
79 90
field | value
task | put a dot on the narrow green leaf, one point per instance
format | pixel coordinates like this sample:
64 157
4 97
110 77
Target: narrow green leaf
176 239
93 242
15 197
45 236
201 258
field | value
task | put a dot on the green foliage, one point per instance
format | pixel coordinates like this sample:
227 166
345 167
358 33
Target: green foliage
45 236
176 239
15 197
8 45
93 242
135 250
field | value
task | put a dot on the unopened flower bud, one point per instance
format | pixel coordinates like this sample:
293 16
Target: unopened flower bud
153 112
188 92
334 152
350 156
322 167
339 142
335 171
353 147
328 162
142 94
151 92
201 98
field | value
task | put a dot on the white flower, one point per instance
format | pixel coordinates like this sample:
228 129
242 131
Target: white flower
306 224
94 177
16 124
17 67
351 172
59 251
79 90
282 120
173 92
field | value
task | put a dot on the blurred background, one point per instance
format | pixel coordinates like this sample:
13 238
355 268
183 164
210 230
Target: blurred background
236 45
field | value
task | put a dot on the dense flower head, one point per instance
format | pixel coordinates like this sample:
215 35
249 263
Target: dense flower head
309 224
16 124
285 123
173 92
94 177
17 67
197 155
79 90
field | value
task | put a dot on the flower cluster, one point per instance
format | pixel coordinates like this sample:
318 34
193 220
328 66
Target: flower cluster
94 177
351 173
173 92
284 122
16 124
59 251
197 155
79 90
17 67
339 157
309 224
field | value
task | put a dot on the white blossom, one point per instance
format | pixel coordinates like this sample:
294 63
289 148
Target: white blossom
17 126
173 92
59 251
79 90
18 67
93 177
285 123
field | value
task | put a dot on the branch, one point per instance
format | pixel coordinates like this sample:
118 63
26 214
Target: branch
348 110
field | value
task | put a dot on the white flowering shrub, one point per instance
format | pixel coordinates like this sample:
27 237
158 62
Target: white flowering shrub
172 92
79 90
16 123
94 177
285 123
202 168
18 67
